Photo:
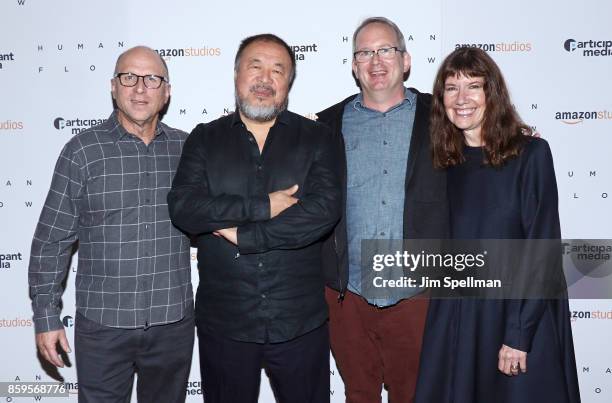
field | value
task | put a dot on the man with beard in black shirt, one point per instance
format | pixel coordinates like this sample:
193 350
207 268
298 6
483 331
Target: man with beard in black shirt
260 189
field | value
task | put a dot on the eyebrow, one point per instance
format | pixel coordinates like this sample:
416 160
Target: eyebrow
258 60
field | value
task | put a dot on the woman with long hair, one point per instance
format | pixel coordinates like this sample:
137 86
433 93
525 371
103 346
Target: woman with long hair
501 185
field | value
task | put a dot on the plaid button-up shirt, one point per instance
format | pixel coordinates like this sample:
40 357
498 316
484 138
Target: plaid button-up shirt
108 192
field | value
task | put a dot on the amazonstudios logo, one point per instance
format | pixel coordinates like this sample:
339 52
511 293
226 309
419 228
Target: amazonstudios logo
589 48
11 125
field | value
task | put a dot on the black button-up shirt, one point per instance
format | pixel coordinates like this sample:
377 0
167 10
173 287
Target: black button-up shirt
109 192
269 288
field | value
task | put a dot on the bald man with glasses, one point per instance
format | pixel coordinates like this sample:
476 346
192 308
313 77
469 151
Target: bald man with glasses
134 300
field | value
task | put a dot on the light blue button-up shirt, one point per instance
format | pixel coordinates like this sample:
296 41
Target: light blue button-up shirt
377 145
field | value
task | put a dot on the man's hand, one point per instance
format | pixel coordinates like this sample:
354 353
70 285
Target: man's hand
47 345
281 200
511 361
231 234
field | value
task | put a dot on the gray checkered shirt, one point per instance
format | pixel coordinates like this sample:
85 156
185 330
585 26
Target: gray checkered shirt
108 192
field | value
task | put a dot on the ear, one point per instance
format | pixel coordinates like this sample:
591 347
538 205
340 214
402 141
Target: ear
113 87
407 60
354 66
167 92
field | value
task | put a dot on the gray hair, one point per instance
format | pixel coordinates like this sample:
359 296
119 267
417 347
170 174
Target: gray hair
401 42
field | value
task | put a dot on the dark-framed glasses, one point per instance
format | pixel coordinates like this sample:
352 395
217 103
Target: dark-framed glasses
151 81
362 56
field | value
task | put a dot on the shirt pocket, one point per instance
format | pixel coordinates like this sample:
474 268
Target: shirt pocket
356 176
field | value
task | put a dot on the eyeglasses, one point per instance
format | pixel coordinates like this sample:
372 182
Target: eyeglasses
362 56
151 81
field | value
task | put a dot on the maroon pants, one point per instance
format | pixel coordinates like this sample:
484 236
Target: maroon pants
377 346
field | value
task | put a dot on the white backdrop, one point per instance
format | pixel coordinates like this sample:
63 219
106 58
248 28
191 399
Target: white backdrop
56 59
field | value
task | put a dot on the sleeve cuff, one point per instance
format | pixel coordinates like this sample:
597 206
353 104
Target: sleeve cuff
47 324
259 208
247 239
519 339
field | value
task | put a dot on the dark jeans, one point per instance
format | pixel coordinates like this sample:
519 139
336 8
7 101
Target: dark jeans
107 358
298 369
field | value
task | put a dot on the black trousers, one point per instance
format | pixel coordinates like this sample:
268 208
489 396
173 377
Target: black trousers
298 369
107 358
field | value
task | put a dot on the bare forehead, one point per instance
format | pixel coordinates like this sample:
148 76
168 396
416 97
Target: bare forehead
141 58
376 32
266 51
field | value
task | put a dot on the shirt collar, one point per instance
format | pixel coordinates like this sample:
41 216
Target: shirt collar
120 133
409 98
282 118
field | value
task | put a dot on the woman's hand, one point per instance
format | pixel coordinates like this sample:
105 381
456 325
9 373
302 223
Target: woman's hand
512 361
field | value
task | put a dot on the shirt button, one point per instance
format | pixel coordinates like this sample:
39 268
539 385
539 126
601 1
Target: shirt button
382 233
147 200
259 167
385 142
260 264
146 226
385 171
251 139
263 296
384 202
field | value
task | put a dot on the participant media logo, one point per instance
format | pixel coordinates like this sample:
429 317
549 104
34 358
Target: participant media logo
194 388
7 260
76 125
300 51
68 321
588 48
5 58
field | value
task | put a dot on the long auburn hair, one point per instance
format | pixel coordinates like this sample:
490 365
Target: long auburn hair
503 132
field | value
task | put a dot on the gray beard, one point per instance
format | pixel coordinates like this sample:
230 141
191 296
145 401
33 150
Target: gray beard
260 113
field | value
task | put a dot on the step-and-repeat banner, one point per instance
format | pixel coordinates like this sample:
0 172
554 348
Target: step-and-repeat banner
57 57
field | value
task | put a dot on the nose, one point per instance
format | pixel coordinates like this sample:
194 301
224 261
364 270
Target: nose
266 76
375 58
140 87
461 96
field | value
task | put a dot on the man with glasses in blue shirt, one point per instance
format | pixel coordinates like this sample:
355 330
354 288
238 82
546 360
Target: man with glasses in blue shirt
134 300
390 191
